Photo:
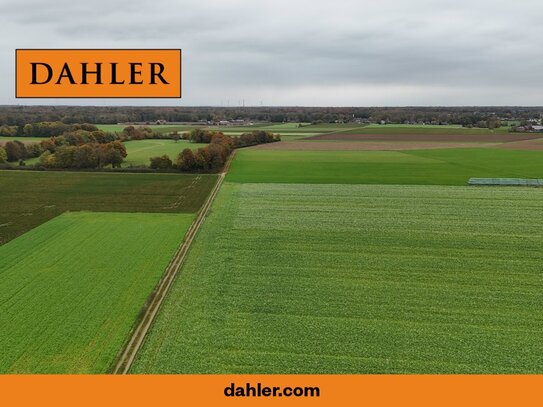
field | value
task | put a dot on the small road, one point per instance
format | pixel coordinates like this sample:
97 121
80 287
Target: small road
124 362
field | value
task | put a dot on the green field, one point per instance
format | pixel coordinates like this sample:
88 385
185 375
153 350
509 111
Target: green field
165 128
331 127
309 262
272 127
30 198
72 288
139 151
422 167
287 278
286 127
162 128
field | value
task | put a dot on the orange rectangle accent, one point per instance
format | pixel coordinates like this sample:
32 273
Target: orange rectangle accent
209 390
98 73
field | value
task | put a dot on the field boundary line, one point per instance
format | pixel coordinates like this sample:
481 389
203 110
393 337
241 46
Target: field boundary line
327 133
130 350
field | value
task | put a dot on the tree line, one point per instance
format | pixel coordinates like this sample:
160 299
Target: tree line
18 151
43 129
91 155
245 140
95 148
3 155
84 147
213 156
73 149
58 128
19 116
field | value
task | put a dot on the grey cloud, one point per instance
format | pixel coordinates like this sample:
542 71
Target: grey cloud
420 52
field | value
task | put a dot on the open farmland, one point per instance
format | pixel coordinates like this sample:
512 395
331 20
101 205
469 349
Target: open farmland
139 151
316 257
273 127
296 144
423 167
427 137
357 279
330 127
30 198
418 129
162 128
536 144
72 288
285 136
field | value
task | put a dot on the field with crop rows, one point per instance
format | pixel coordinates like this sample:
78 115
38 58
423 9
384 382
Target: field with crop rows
358 279
421 167
333 261
72 288
30 198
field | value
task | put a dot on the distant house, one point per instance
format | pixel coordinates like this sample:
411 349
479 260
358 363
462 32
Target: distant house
160 122
224 122
529 128
360 120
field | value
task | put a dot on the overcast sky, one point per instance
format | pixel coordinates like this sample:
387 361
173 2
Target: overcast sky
303 52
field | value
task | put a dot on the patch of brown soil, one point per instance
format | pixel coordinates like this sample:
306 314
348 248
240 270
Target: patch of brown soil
535 145
365 146
483 138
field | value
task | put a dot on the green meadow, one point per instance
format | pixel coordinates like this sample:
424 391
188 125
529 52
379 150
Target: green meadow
162 128
140 151
331 127
423 167
72 289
